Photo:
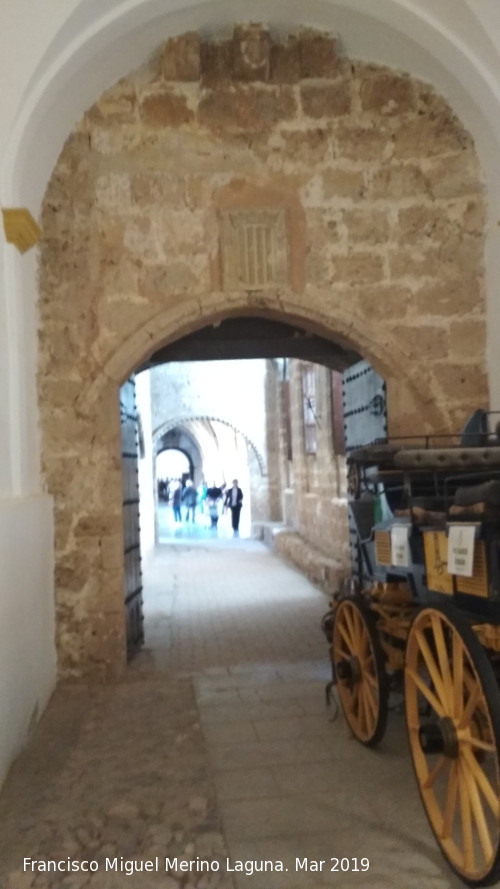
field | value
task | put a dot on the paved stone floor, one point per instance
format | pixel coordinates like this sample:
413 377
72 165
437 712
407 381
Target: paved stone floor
217 746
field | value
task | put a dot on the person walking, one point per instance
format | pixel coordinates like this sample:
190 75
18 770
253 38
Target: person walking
202 496
214 496
176 500
189 497
234 502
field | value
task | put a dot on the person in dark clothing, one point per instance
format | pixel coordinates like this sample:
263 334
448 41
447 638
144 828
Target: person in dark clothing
189 497
233 501
214 496
176 500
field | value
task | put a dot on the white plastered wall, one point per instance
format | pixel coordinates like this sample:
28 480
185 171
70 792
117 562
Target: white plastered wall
56 57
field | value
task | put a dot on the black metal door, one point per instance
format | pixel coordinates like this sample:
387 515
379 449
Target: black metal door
131 528
365 421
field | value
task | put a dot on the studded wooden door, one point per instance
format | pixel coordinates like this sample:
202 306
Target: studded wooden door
365 422
131 530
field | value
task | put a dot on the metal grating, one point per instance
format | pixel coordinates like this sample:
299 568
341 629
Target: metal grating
254 248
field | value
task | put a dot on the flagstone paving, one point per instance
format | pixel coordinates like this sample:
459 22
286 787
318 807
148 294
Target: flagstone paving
217 750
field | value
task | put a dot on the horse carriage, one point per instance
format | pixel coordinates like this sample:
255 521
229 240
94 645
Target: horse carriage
422 616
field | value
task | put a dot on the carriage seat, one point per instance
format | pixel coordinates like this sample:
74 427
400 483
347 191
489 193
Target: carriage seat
455 459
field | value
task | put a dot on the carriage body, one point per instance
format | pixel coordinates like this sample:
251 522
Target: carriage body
423 615
424 496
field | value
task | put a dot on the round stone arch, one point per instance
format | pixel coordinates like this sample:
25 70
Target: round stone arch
392 267
178 438
182 422
257 494
86 479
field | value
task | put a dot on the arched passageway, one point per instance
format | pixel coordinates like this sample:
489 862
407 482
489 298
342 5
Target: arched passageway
339 197
171 463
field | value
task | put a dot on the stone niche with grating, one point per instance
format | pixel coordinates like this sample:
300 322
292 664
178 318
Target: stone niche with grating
254 249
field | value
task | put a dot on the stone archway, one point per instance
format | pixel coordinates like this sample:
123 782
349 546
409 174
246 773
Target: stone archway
189 419
365 189
179 439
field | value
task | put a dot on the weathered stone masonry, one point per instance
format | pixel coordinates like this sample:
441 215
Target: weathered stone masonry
383 201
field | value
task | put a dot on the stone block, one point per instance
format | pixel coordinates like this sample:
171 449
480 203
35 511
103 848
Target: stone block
165 109
404 263
399 181
180 59
243 108
362 143
474 217
452 177
456 296
461 382
468 339
343 183
117 106
251 52
99 525
309 146
422 223
318 54
429 342
216 62
429 137
159 282
359 267
383 301
111 552
326 100
366 226
388 94
285 62
73 569
461 252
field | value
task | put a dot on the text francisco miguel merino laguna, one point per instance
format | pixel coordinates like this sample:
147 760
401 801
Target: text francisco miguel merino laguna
131 866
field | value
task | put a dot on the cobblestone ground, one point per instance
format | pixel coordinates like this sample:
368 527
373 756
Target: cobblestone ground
113 773
217 747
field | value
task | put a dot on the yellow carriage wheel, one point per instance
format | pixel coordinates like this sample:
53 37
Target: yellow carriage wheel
452 704
362 683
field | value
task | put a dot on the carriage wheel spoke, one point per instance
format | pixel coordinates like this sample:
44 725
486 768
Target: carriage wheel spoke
435 772
451 800
466 820
426 692
458 674
347 639
478 744
362 714
371 680
433 669
470 707
444 666
352 630
370 701
478 812
490 795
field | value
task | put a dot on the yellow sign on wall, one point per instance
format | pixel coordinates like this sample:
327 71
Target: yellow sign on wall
20 228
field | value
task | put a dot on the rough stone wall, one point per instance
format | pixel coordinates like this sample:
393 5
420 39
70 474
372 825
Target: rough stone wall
379 194
319 491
